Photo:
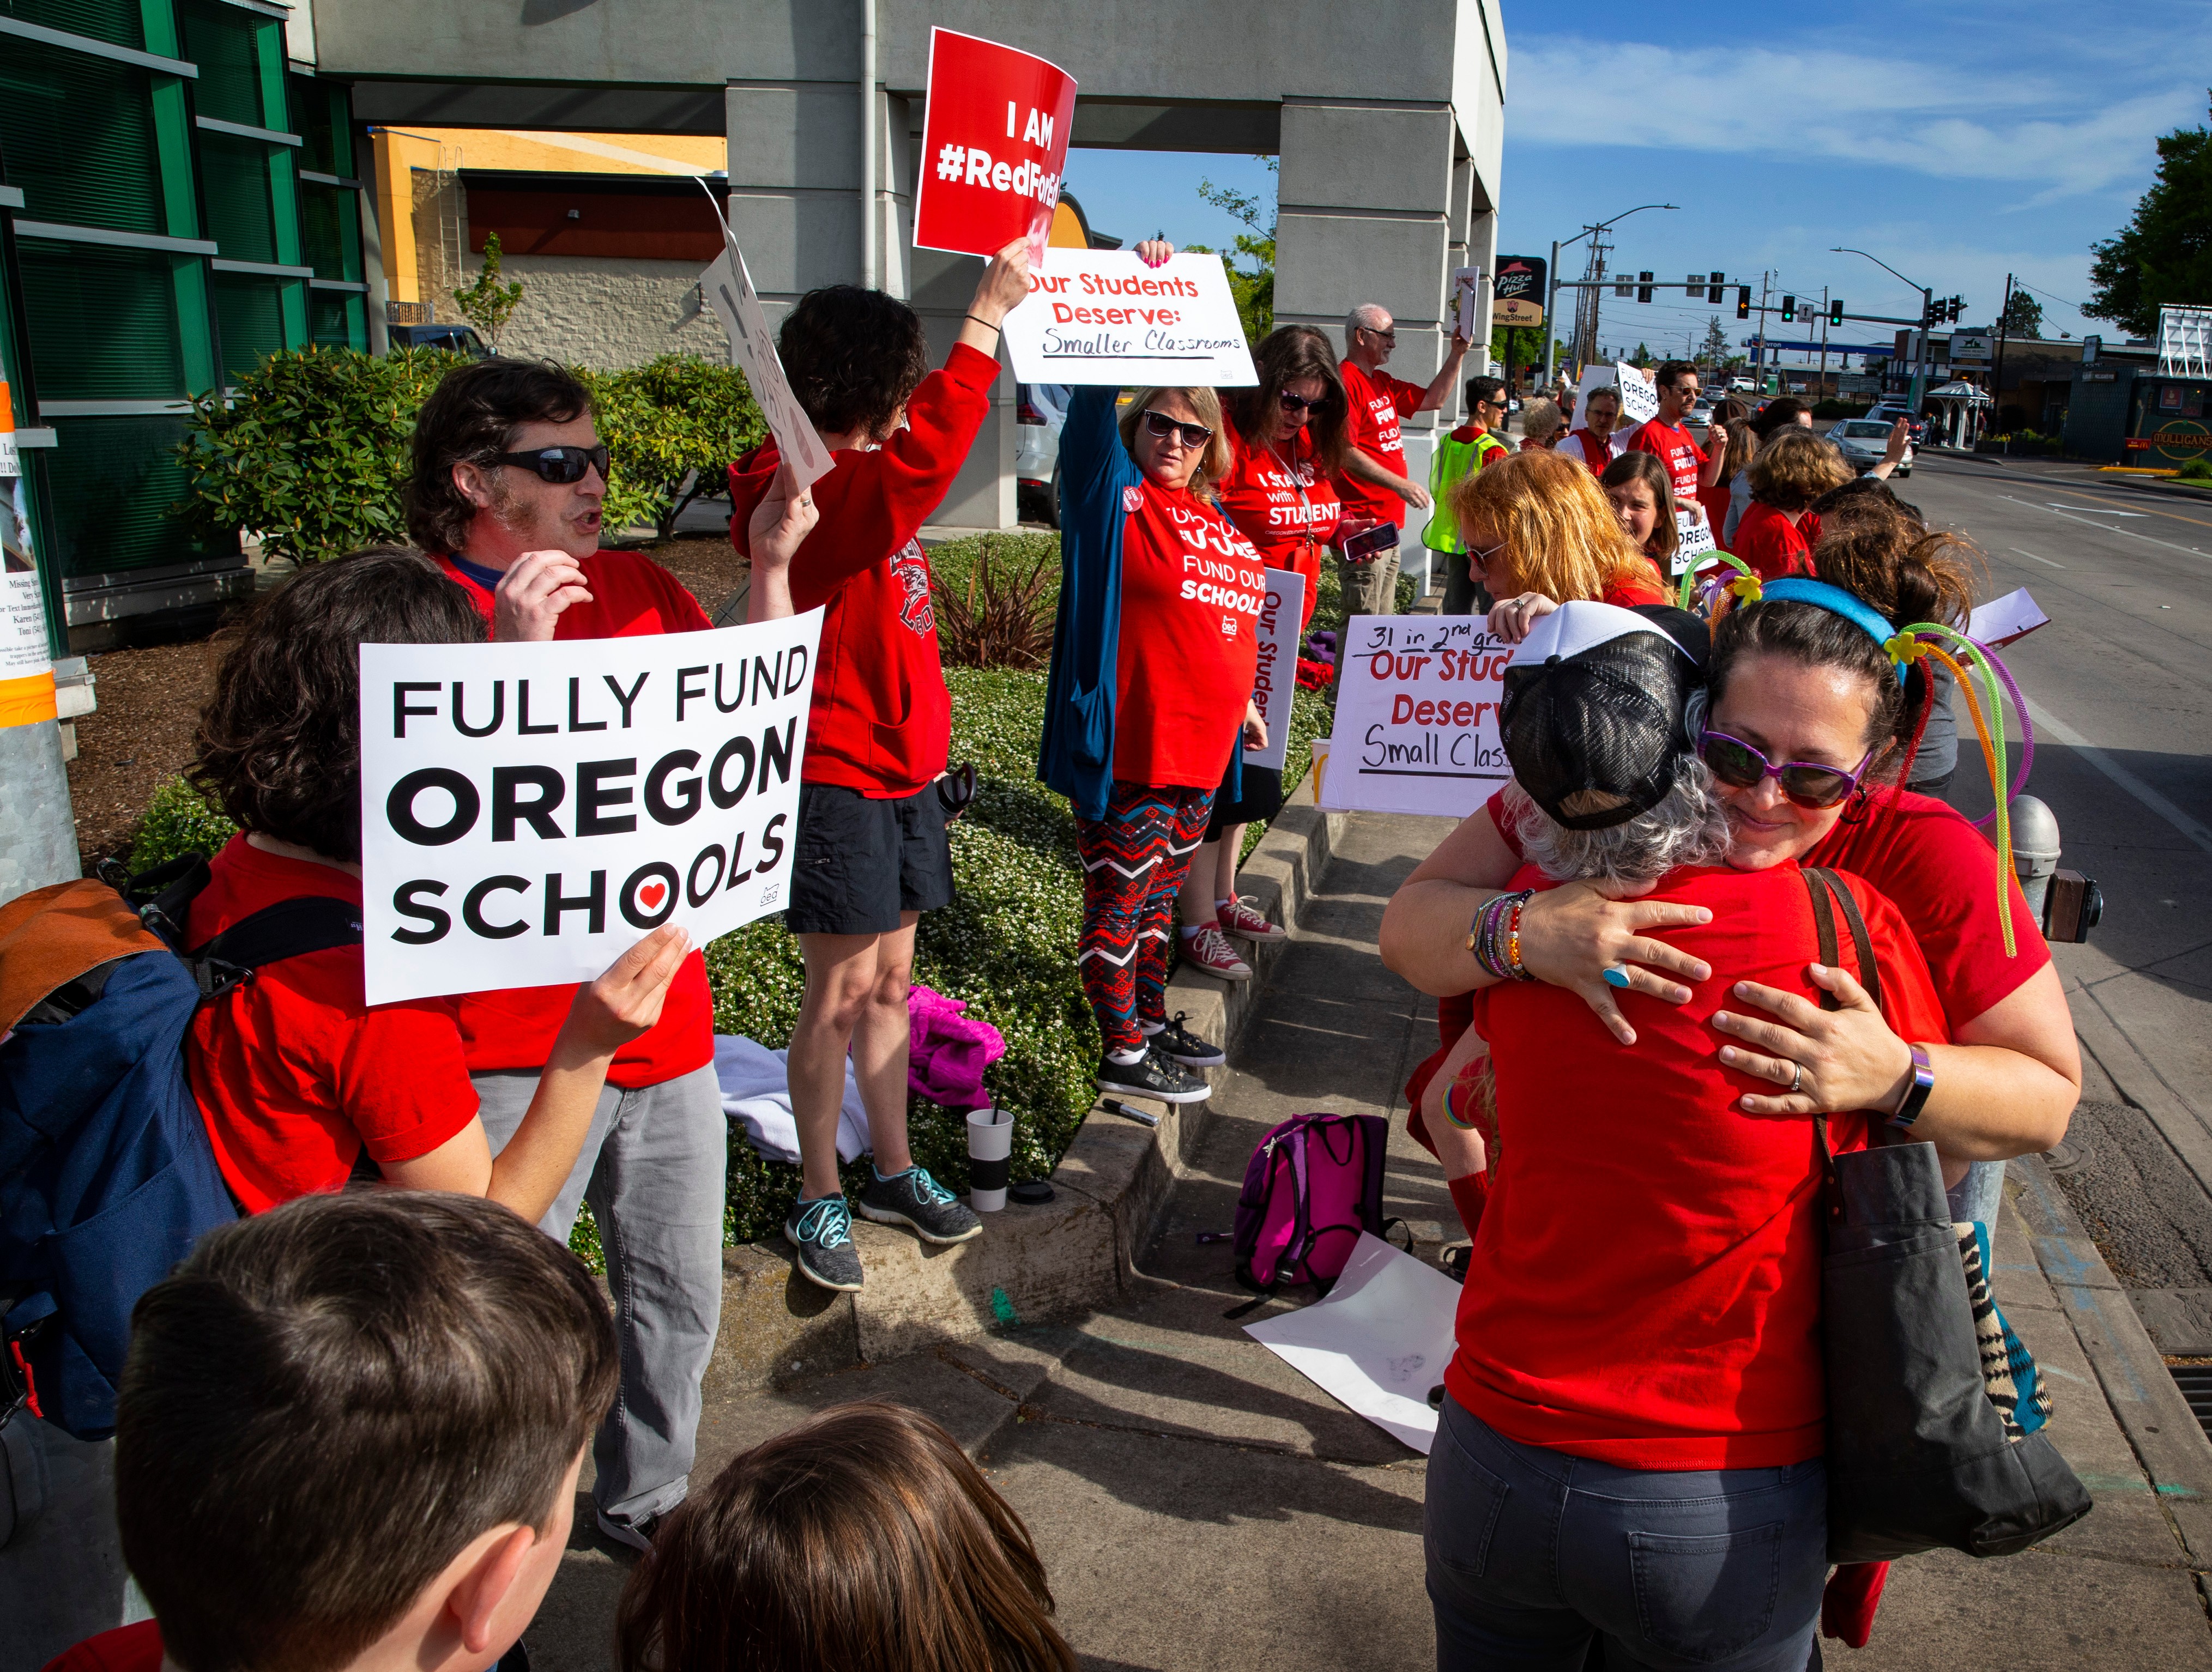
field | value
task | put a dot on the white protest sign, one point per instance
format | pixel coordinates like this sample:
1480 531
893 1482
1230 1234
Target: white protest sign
1378 1341
1417 712
729 291
1281 616
1103 317
1693 538
1594 378
528 811
1639 395
1465 283
2002 619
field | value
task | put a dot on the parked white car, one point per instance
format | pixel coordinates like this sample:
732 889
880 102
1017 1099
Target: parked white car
1864 442
1040 409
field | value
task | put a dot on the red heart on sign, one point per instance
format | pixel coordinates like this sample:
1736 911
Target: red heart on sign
650 895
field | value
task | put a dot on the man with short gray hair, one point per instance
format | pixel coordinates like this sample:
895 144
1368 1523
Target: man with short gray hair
1374 485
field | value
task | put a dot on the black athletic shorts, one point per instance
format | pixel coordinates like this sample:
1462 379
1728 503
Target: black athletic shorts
860 863
1262 798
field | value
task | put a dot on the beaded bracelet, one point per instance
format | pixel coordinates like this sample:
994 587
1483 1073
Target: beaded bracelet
1514 966
1482 941
1496 942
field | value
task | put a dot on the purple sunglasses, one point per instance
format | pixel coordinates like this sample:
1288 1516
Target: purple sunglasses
1737 763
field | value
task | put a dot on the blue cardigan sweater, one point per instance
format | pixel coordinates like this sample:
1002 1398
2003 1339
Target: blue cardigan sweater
1077 754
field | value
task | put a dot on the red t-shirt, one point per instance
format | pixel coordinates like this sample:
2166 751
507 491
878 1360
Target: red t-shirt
1593 451
1377 404
632 596
881 722
1191 591
1279 501
1645 1285
295 1074
1771 544
1642 584
1671 445
1715 499
126 1649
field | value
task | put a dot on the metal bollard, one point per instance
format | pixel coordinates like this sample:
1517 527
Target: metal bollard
2066 903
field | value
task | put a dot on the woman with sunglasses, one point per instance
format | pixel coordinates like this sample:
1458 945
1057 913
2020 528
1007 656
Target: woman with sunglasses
1154 651
1809 730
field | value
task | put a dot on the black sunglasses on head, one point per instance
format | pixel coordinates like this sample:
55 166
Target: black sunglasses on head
558 464
1162 426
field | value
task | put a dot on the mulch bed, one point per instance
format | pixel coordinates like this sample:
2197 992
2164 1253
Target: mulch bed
149 704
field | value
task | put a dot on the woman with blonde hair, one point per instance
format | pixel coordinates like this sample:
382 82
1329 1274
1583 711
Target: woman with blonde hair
1792 469
1155 650
1643 498
1540 533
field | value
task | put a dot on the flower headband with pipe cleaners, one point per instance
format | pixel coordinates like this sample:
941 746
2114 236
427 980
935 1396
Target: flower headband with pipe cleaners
1693 592
1973 662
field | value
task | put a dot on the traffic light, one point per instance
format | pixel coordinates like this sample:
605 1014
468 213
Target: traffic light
1643 287
1743 301
1931 313
1958 306
1789 310
1836 312
1714 286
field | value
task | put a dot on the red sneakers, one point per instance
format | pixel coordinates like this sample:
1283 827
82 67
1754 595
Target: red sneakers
1209 950
1237 917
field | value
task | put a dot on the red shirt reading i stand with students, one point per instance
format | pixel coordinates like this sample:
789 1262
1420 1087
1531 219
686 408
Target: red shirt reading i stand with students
1191 591
294 1072
1378 402
632 596
1279 499
881 721
1672 1319
1683 457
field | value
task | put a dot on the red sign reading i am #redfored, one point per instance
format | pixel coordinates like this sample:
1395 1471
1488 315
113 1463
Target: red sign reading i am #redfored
993 145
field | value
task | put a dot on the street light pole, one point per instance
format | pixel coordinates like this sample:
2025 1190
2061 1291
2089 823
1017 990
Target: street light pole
1550 301
1552 279
1927 308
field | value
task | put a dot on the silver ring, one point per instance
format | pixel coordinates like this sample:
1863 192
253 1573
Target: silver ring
1797 1079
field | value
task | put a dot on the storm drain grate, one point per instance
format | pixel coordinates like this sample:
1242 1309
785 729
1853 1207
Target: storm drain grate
2195 1382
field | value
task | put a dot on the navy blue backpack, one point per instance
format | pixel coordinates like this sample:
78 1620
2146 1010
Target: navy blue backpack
106 1176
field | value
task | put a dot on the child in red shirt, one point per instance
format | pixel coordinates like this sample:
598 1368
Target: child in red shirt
1795 467
872 853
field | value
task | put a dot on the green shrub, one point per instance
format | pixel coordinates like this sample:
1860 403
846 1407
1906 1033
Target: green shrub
1000 616
2196 469
671 427
179 821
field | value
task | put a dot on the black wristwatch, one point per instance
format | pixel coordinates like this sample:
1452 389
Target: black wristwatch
1916 1093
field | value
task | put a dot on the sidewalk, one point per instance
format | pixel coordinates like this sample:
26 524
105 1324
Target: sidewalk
1199 1505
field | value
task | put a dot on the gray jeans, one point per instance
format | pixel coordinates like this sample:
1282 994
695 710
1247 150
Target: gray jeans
1370 588
1532 1553
654 1168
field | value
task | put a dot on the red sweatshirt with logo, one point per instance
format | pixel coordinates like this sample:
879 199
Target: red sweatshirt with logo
881 722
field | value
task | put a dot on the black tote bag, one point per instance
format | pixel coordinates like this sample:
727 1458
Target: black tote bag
1920 1456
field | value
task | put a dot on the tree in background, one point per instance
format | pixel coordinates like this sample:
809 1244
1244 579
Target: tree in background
1253 288
2164 255
1642 358
2023 316
486 304
1714 350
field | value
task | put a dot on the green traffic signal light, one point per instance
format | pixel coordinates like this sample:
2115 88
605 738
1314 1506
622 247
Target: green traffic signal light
1788 309
1836 312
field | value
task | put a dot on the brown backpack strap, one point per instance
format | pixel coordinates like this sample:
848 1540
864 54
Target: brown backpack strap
1862 942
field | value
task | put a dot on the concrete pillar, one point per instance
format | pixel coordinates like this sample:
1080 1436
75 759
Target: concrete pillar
37 835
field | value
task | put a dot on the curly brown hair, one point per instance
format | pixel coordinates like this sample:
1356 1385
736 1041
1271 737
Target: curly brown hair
1794 467
854 356
1289 354
278 747
473 414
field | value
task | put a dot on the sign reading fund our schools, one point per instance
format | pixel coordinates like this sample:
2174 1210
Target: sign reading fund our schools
1101 315
994 147
529 811
1417 716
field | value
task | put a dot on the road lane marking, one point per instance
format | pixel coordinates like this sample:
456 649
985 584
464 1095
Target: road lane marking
2092 499
2051 725
2039 559
2103 528
2111 513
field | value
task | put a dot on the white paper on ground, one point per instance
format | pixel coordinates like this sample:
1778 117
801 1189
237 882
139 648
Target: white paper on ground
2002 619
1378 1343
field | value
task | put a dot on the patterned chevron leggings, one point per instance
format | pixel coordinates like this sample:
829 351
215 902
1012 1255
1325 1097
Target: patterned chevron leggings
1134 861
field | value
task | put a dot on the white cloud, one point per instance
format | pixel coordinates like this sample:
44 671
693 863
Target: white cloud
1943 121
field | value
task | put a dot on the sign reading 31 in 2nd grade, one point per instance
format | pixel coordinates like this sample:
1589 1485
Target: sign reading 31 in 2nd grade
1416 716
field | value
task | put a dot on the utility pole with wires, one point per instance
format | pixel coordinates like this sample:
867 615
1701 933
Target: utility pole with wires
1996 372
1758 359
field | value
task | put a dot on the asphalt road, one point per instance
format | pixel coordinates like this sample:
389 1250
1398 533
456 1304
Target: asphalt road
2119 685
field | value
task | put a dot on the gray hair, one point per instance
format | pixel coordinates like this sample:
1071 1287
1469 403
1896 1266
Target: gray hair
1609 391
1540 417
1367 317
1688 827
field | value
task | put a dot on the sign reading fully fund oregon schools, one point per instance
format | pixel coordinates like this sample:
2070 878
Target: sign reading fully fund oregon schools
1416 716
1103 317
530 811
994 147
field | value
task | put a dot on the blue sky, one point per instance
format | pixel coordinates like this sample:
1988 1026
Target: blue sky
1956 142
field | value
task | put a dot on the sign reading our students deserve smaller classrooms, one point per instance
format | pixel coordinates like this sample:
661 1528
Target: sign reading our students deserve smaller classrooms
994 147
1103 317
1416 716
528 811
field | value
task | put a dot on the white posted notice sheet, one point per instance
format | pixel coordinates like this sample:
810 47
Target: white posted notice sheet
1378 1342
1103 317
531 811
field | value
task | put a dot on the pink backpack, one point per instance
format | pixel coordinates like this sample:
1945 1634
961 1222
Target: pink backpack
1312 1186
